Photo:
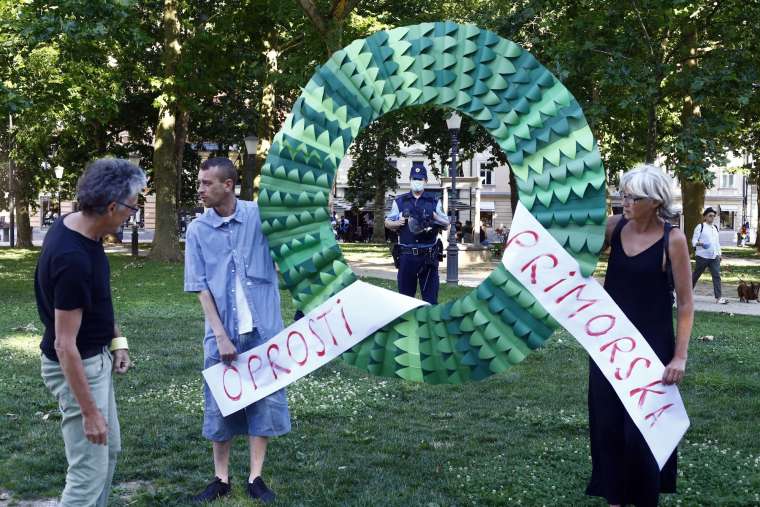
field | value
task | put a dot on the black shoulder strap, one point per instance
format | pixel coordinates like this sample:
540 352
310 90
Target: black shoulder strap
666 266
666 241
618 228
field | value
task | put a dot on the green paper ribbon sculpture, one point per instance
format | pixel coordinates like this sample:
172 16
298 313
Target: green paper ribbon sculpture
535 120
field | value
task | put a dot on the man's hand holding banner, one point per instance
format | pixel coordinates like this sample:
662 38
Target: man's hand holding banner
313 341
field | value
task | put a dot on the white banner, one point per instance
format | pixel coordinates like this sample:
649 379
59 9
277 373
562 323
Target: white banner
584 308
313 341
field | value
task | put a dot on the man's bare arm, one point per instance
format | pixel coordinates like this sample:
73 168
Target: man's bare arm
67 324
227 349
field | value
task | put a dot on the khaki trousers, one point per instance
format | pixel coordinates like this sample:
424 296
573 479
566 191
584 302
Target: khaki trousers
91 466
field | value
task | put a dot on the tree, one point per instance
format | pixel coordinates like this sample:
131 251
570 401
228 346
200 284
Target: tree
65 85
169 143
329 27
371 174
216 71
661 74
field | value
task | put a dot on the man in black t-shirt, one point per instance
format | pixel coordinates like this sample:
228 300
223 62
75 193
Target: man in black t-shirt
73 291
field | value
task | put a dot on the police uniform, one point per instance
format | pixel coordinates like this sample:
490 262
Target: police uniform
418 262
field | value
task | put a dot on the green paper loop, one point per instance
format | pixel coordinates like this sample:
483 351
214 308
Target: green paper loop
531 116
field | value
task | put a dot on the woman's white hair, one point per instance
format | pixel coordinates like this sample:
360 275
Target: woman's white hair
650 181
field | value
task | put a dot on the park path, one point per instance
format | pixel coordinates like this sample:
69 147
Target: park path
381 266
472 276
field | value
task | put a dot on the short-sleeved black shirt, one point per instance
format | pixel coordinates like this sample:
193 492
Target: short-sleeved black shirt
73 272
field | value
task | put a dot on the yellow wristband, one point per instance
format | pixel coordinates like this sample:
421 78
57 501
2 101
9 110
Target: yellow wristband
120 342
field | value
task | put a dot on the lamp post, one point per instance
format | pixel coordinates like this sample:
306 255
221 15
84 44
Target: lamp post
249 165
45 165
11 197
134 158
452 251
59 174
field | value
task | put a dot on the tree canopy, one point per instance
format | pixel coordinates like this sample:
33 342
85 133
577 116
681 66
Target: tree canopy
676 82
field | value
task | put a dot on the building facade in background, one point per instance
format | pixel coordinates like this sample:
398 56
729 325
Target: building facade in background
483 195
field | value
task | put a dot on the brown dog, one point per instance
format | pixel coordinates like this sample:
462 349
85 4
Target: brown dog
748 291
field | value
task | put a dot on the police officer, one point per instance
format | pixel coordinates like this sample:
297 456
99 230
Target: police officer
418 217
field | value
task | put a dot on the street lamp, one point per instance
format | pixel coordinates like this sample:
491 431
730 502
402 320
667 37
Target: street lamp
134 158
11 196
452 252
58 170
249 165
45 165
251 143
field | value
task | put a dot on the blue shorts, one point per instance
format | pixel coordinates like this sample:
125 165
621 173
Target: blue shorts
268 417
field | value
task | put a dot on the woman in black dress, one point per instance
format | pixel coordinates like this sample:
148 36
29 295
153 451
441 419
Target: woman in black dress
644 247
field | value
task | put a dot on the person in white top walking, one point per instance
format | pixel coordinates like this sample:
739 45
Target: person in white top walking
707 244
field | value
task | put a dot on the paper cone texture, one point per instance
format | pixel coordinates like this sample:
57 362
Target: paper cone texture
536 122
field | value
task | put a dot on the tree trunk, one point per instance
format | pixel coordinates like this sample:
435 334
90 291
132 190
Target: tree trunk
693 197
180 137
329 27
21 202
266 126
23 225
166 240
514 197
378 224
692 191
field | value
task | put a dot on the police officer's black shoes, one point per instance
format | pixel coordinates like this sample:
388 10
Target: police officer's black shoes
213 491
259 491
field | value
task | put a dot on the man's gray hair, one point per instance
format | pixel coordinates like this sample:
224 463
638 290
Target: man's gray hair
648 180
108 180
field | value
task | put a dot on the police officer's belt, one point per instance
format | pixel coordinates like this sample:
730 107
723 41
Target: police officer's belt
424 250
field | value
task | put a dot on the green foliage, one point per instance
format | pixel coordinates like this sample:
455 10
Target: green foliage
70 72
371 155
631 75
77 73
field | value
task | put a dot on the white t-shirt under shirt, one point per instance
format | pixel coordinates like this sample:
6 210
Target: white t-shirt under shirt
244 317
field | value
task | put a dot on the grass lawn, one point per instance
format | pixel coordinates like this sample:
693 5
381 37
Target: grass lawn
519 438
746 252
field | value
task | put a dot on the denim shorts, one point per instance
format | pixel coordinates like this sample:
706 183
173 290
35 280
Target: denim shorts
268 417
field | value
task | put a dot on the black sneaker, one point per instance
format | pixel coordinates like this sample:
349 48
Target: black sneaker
213 491
259 491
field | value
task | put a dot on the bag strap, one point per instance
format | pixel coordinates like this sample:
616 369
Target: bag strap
616 231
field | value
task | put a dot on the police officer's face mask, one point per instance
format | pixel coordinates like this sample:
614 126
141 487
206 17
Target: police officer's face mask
417 185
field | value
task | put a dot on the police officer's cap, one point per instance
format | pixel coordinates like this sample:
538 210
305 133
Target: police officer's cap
418 171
